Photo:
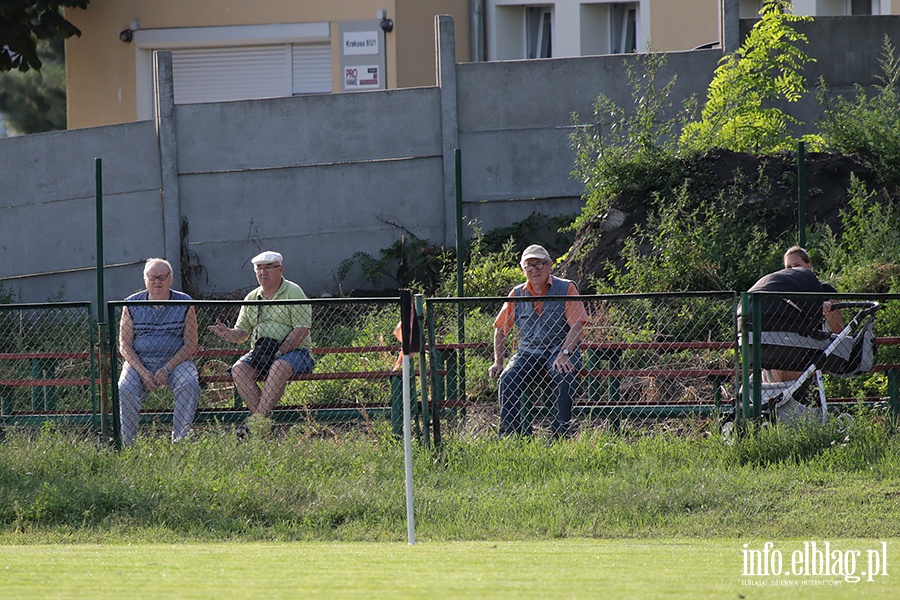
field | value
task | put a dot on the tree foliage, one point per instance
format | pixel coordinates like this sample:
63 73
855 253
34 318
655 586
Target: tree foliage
24 22
739 113
35 101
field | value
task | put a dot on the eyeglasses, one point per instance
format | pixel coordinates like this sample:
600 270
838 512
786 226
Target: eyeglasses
266 267
535 266
159 278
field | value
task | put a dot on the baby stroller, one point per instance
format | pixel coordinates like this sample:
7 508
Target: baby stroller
845 354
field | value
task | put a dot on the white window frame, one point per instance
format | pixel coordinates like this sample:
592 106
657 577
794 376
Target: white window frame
146 41
538 31
619 23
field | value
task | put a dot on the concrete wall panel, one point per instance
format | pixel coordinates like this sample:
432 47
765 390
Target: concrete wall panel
531 163
323 213
48 167
307 130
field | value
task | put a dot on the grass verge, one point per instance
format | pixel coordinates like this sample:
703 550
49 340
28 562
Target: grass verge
814 482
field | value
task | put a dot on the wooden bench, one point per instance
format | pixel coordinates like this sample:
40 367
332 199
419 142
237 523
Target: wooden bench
44 385
446 379
603 382
320 411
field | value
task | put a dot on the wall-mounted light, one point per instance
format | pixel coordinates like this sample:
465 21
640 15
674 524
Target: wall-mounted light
127 35
387 25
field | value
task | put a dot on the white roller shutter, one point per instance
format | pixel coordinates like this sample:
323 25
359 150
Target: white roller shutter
238 73
311 68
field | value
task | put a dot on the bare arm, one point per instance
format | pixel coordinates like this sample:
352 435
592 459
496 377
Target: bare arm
235 336
126 349
499 353
832 317
189 348
562 362
293 339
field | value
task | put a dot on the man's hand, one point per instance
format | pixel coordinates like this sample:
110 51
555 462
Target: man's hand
161 377
562 364
219 329
495 369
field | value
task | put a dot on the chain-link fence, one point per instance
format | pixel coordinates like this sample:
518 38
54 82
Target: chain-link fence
48 371
561 364
292 361
634 358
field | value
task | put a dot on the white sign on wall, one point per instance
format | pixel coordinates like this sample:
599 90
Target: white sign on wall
363 60
360 42
362 77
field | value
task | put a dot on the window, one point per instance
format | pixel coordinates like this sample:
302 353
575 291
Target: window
861 7
749 9
538 28
623 25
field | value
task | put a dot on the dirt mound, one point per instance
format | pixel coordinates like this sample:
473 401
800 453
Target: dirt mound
770 183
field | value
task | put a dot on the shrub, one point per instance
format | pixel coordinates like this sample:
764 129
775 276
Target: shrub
695 244
628 150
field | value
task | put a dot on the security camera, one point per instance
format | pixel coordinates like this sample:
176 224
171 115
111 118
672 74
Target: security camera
126 35
387 25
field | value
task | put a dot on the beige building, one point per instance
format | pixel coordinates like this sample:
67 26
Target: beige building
237 49
518 29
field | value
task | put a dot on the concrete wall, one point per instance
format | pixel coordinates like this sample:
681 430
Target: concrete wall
322 177
316 180
515 121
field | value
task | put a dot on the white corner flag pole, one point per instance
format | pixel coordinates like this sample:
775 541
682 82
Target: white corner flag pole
407 454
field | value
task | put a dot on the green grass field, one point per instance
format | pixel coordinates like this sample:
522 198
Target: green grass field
572 568
637 513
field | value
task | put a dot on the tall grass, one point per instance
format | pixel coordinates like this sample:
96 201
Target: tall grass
776 481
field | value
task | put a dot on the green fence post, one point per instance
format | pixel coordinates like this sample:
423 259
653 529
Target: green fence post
590 362
893 378
6 400
801 193
743 411
756 310
436 360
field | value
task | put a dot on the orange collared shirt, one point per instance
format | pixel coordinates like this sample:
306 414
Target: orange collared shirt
575 312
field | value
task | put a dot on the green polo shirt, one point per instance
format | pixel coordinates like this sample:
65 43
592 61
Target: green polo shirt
276 321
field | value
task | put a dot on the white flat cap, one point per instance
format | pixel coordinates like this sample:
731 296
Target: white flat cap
266 258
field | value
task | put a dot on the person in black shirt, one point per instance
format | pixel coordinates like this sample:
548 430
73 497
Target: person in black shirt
795 315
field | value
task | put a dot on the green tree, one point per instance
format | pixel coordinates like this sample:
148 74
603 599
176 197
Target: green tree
35 101
24 22
739 113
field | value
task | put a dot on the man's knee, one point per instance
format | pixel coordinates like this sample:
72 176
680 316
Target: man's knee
280 371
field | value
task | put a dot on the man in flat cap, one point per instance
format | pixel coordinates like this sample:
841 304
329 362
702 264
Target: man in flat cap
279 334
549 340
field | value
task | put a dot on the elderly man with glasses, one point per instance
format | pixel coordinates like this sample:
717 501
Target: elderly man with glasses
549 340
157 343
279 333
